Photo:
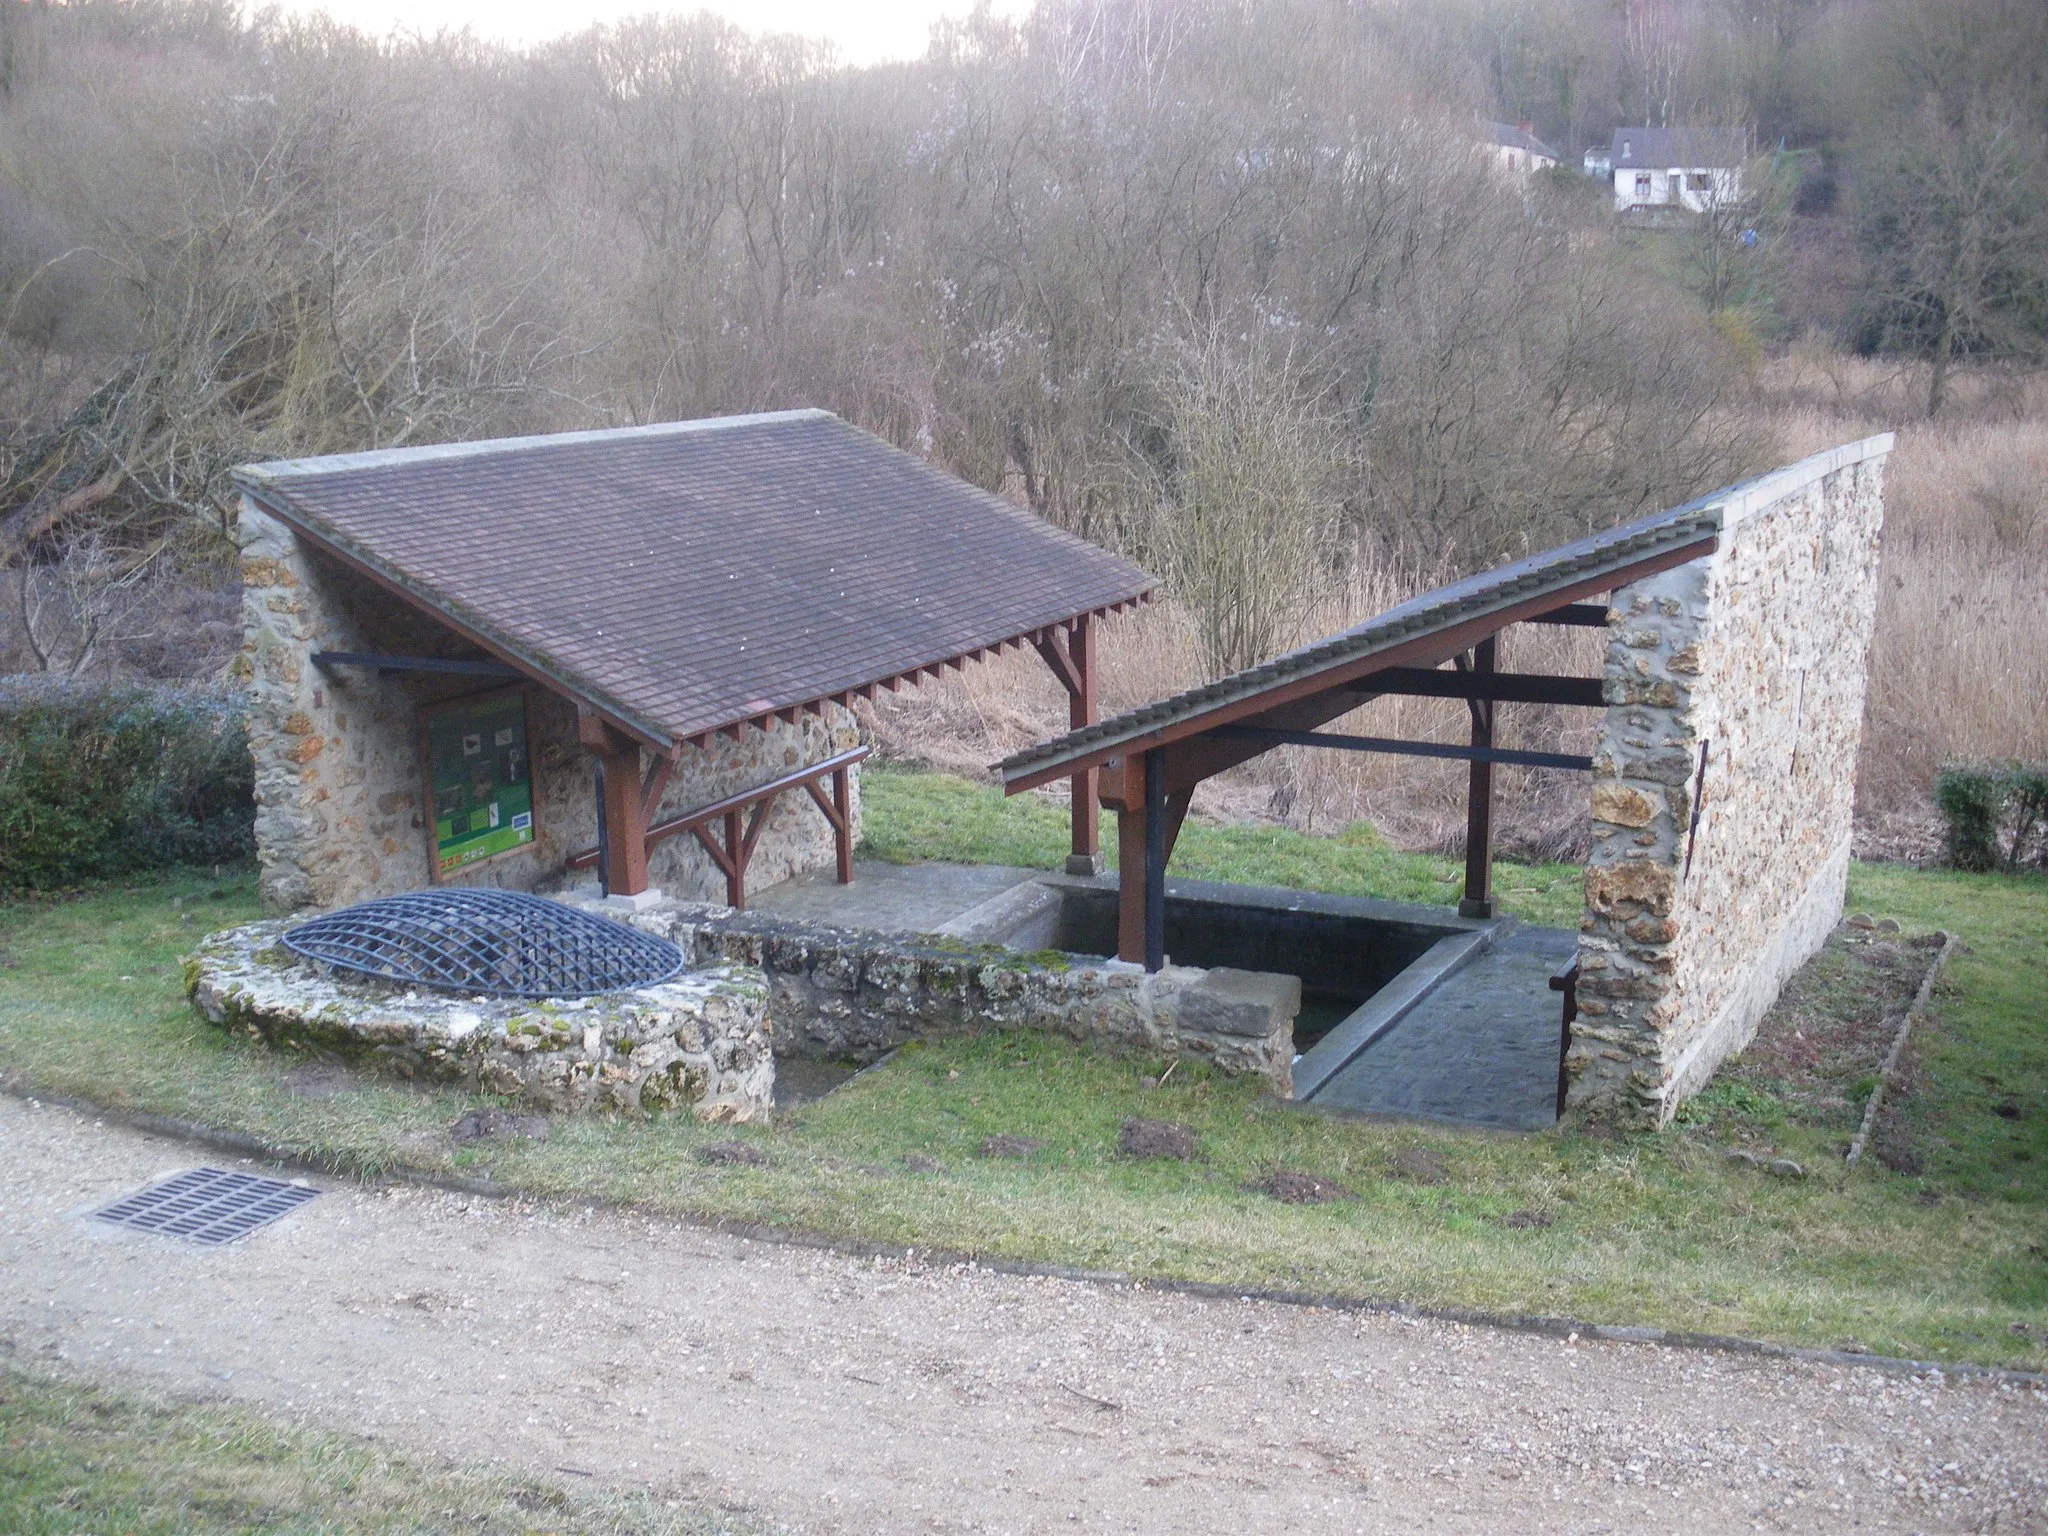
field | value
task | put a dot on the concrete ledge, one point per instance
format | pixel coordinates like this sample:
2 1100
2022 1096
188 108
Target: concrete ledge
1753 496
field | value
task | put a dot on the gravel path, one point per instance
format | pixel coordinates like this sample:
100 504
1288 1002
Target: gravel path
824 1393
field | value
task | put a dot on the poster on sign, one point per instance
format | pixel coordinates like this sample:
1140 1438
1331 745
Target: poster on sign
479 766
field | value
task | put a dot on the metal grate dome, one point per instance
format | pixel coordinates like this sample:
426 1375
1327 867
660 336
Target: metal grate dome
500 943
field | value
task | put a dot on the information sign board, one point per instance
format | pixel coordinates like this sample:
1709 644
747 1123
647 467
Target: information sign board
479 778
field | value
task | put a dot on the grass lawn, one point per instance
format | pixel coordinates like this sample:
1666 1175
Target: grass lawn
1648 1229
76 1460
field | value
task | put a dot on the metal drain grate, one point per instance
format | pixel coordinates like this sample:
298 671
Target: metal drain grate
206 1205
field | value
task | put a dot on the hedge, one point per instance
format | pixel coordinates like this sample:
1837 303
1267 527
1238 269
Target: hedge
1993 813
100 779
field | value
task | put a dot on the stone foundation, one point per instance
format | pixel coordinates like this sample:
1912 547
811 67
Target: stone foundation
702 1041
1737 679
853 994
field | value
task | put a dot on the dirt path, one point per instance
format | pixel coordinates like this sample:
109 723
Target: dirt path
839 1395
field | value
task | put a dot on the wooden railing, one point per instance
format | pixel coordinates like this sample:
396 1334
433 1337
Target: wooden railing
742 830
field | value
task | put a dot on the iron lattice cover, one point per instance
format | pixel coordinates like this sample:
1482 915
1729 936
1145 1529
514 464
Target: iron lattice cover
206 1205
496 943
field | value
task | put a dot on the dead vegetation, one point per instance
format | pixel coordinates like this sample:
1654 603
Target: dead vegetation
1226 287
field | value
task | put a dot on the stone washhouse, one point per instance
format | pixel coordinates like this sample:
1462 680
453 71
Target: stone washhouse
623 657
645 707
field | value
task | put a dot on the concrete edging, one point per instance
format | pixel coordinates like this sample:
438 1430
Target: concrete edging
1949 944
174 1128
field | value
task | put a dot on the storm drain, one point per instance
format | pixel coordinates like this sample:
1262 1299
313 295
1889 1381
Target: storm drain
206 1205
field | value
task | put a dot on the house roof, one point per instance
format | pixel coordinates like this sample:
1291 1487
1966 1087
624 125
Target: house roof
1508 136
1661 149
682 578
1429 629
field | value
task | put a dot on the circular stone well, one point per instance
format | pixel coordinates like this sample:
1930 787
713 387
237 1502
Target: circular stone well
700 1039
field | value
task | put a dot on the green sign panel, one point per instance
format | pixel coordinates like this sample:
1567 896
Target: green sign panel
482 782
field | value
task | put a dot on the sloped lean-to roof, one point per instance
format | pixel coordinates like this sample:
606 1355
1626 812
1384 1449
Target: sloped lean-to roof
1429 629
683 578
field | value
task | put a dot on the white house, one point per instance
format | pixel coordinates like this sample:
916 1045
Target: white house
1515 149
1694 168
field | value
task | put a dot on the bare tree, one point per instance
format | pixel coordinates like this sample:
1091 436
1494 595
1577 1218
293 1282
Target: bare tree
1954 224
1249 523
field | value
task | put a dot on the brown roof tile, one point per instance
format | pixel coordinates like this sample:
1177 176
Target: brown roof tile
687 576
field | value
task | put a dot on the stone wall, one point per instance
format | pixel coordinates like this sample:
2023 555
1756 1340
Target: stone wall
853 994
1756 654
339 814
699 1042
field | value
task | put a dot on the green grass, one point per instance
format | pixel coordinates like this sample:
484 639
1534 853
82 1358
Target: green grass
1648 1229
915 818
76 1460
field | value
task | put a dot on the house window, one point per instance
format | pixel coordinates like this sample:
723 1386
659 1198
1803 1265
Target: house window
1699 181
1643 187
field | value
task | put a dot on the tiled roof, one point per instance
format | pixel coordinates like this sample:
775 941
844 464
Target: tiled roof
1618 550
688 576
1660 149
1510 136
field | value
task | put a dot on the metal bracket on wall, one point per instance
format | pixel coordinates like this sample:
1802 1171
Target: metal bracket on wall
1699 786
460 666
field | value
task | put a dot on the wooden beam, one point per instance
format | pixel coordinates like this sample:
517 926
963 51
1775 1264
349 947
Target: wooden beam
1426 650
677 825
655 786
1478 898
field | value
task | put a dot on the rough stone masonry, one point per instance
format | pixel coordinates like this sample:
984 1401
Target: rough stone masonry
1724 781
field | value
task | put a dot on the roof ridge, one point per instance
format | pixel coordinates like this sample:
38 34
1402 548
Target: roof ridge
272 470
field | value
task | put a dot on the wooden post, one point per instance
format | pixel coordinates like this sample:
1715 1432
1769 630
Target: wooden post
622 807
736 851
1086 858
625 826
1131 842
1478 899
1155 859
842 828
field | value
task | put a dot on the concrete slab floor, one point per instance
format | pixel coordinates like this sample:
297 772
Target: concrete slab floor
890 898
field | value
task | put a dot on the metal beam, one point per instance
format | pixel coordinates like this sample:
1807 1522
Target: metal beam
462 668
1499 687
1478 898
1579 615
1405 748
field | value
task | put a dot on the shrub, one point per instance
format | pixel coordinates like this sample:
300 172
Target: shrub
99 780
1984 806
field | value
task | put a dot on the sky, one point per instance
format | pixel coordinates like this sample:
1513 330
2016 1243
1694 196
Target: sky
864 31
